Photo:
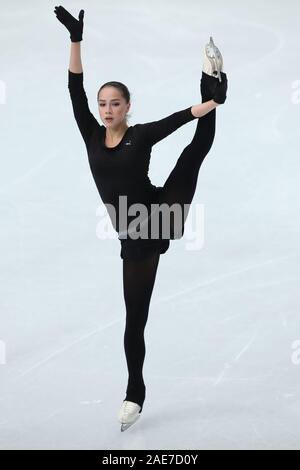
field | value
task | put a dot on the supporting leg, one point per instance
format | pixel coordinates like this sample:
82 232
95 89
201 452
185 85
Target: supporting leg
138 281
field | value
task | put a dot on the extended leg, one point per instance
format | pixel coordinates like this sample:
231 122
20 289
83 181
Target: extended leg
138 281
181 184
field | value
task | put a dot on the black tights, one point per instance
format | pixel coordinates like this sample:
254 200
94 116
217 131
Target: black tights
139 275
138 282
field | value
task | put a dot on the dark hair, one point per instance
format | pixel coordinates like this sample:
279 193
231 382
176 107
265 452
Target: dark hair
121 87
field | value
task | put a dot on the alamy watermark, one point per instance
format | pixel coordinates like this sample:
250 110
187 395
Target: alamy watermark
2 92
295 357
2 352
295 98
157 221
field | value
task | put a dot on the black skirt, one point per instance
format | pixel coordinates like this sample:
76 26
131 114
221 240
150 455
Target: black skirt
142 248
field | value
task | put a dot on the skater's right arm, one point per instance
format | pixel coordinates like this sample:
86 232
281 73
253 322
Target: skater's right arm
75 65
84 118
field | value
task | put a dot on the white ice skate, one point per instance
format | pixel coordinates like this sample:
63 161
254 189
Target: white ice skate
128 414
213 60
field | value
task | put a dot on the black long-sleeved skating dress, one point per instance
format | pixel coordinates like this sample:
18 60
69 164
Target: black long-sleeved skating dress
123 169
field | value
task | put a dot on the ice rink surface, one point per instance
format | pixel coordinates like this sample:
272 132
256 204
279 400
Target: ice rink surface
222 366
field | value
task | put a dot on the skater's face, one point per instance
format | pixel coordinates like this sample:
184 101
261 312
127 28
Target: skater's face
112 105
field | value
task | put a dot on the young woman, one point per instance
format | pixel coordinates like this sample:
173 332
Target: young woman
119 158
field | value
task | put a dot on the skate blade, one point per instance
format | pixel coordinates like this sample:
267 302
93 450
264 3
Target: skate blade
213 53
125 426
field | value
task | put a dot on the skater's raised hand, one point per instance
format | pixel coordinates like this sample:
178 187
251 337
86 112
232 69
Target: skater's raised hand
74 26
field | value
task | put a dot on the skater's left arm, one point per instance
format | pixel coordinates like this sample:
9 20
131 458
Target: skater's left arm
199 110
155 131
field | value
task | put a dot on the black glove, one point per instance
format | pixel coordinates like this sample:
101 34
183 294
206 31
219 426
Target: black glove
220 93
74 26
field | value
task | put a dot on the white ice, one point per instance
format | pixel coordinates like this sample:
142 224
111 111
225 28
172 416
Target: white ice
222 365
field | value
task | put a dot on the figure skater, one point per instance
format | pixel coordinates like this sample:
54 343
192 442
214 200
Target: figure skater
119 157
